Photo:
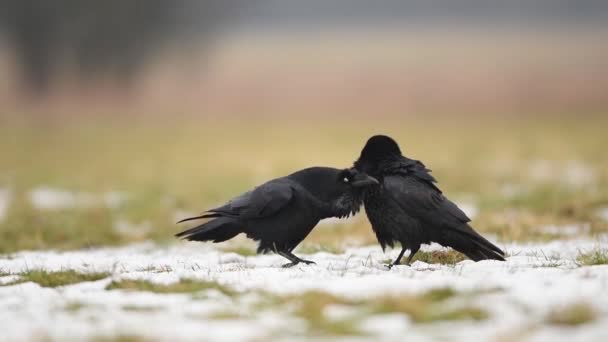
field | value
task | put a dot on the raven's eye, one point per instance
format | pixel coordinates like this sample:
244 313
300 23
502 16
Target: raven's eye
346 180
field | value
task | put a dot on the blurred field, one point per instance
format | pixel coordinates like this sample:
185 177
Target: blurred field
519 174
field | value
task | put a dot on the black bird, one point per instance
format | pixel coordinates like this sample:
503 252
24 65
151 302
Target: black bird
407 207
279 214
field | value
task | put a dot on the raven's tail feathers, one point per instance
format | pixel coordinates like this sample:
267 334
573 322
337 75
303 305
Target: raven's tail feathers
217 230
474 246
204 215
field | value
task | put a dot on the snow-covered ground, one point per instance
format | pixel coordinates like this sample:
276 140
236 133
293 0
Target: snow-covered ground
518 294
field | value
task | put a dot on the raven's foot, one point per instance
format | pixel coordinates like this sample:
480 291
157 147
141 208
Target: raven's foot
389 266
290 264
308 262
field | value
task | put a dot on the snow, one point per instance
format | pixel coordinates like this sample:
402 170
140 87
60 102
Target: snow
48 198
566 230
573 173
536 279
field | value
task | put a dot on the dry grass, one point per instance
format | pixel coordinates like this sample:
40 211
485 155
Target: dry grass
182 286
572 315
435 305
55 279
188 166
448 257
595 257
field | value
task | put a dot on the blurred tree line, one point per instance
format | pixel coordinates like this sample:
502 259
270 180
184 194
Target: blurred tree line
113 37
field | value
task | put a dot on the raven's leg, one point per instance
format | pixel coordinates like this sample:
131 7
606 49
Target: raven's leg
307 262
398 260
411 256
294 259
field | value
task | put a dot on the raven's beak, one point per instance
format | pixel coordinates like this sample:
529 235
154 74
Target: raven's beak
361 179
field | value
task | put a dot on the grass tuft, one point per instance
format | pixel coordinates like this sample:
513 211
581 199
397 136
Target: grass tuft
311 307
429 307
140 308
55 279
595 257
572 315
182 286
447 257
74 306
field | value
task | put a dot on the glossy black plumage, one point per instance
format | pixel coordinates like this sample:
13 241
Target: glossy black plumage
280 213
407 207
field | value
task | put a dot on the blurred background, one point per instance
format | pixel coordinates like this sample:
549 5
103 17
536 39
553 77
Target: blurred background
118 118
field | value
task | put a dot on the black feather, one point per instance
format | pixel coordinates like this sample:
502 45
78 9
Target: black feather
279 214
408 207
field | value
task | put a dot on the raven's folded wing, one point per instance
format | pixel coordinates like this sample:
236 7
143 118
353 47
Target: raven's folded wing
421 201
265 200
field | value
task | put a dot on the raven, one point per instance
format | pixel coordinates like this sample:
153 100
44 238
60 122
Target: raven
280 213
407 207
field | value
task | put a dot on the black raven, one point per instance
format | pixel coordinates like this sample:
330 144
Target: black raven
407 207
280 213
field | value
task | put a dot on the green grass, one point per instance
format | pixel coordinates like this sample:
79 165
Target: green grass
429 307
572 315
192 165
311 305
182 286
55 279
595 257
432 306
74 306
140 308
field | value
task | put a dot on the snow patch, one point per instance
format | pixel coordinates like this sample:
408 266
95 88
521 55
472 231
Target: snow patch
536 278
47 198
389 326
573 173
8 279
566 230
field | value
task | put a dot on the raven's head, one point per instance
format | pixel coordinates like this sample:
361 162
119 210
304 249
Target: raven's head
349 190
339 192
378 149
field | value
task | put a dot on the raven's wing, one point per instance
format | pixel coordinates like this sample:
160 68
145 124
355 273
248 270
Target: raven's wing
263 201
411 168
432 209
425 203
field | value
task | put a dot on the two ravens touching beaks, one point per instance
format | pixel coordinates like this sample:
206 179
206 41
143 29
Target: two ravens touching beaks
401 199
